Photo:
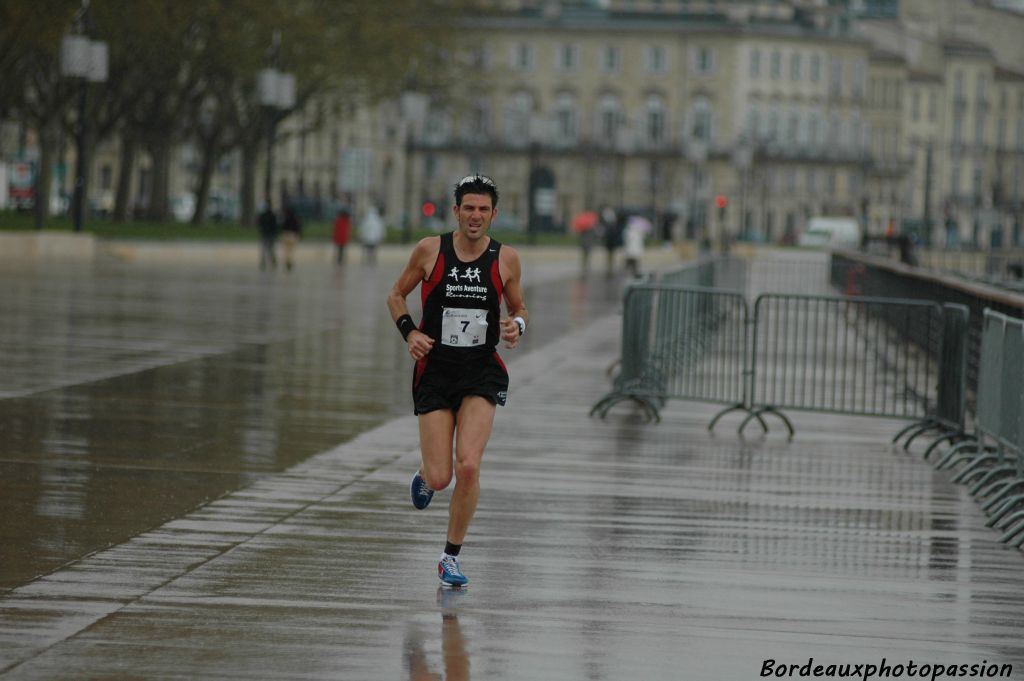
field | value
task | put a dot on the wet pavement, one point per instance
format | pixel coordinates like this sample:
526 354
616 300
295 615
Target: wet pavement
203 474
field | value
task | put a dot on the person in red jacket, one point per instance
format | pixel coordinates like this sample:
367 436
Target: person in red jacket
342 232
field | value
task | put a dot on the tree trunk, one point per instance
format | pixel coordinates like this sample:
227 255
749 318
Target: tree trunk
159 203
44 173
124 178
250 156
211 155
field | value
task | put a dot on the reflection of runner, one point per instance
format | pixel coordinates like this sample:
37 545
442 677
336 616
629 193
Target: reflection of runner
459 378
453 649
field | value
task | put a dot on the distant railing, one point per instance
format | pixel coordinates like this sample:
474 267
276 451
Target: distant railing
859 274
1003 268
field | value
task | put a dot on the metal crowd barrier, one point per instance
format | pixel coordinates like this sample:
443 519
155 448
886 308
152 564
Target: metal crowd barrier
680 342
877 357
994 458
851 356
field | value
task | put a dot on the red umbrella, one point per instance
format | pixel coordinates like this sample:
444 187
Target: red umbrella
585 221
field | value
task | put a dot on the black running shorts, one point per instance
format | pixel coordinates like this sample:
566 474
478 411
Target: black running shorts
439 384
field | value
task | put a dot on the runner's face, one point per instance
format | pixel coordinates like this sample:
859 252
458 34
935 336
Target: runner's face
475 215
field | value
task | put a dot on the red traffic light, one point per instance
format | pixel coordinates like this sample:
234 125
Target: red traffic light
429 209
721 201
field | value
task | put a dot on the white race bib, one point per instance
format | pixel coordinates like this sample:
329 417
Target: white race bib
463 328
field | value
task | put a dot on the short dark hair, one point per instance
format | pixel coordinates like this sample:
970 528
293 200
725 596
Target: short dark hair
476 184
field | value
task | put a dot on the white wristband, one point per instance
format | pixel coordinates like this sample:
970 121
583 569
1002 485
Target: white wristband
521 323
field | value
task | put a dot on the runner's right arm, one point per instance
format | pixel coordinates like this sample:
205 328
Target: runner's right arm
414 273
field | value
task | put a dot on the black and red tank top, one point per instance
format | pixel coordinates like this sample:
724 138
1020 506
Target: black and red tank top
462 303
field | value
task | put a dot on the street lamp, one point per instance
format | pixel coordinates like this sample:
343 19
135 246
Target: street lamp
697 154
540 188
87 60
277 93
743 156
413 111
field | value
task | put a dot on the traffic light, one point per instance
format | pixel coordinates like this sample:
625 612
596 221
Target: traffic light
429 209
720 203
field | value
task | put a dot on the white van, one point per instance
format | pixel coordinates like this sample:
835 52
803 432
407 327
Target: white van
831 233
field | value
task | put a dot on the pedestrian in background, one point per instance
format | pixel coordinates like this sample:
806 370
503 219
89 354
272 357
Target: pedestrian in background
291 230
611 230
371 233
268 237
342 233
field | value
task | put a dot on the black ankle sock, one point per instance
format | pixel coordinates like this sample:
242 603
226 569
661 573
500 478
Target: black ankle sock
452 549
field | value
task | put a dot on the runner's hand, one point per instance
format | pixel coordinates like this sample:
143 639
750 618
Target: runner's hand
419 344
509 333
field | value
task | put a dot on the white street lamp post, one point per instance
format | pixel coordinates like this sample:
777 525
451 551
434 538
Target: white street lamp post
87 60
276 91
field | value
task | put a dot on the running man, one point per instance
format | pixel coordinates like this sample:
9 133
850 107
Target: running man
459 379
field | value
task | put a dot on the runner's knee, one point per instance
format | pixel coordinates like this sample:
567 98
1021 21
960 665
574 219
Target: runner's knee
467 471
437 480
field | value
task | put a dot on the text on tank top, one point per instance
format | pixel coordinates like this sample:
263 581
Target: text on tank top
462 302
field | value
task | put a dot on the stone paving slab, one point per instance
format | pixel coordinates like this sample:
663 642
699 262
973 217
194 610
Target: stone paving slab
600 550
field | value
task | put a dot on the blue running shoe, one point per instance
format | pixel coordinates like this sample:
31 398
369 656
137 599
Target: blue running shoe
448 571
421 492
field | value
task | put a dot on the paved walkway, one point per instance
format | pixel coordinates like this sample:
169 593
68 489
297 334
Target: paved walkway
601 550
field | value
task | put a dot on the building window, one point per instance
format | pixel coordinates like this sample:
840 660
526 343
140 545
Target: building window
566 127
753 123
833 130
958 85
700 120
609 119
815 68
611 59
655 120
915 105
776 65
792 127
755 63
958 128
794 66
478 125
655 60
814 129
933 106
954 181
522 57
568 57
979 129
835 83
437 125
859 76
702 60
772 131
480 57
517 122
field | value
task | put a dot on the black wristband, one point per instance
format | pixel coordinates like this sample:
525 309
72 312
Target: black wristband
405 325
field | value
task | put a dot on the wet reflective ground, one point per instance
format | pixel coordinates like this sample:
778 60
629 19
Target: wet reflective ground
601 549
132 393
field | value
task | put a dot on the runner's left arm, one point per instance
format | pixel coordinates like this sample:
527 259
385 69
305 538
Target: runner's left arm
513 292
